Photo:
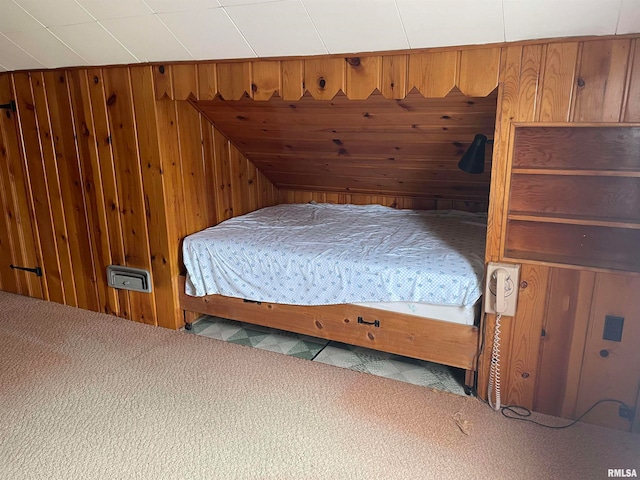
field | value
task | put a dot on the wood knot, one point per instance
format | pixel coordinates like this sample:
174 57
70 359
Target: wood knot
322 82
319 325
254 87
525 375
581 82
161 69
346 320
370 335
353 61
96 80
524 284
111 100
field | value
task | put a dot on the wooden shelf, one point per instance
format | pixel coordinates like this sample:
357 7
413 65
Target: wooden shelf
574 196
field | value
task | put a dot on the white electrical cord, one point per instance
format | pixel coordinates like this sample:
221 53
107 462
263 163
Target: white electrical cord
494 371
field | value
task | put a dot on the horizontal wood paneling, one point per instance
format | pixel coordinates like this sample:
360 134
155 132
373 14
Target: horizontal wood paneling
378 146
580 148
586 245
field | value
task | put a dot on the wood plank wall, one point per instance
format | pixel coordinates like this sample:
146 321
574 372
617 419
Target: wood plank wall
96 171
596 80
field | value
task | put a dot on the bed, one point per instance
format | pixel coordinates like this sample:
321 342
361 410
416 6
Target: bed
401 281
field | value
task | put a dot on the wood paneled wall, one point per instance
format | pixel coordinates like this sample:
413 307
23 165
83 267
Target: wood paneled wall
596 80
96 171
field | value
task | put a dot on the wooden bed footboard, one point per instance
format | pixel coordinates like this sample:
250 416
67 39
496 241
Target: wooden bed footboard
425 339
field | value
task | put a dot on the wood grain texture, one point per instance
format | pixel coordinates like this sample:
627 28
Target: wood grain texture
632 104
479 71
265 80
562 345
131 198
207 81
433 74
558 82
363 76
524 343
185 81
611 369
234 80
431 340
601 81
324 78
20 244
394 76
292 79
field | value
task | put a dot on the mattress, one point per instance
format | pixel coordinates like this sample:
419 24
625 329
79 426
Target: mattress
464 315
323 254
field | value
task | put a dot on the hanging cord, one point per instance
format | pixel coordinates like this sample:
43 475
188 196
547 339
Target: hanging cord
494 372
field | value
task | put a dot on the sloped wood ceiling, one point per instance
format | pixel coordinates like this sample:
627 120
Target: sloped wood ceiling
376 146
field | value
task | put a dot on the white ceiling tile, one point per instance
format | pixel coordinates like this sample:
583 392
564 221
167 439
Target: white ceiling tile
207 34
147 38
357 25
629 21
13 57
436 23
58 12
104 9
46 48
277 29
15 19
93 43
530 19
166 6
245 2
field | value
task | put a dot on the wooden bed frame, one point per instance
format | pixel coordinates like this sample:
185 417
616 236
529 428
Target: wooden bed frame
436 341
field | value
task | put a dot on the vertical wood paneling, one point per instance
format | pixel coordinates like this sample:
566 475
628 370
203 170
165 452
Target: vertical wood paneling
193 174
611 369
324 78
104 170
558 82
479 71
222 176
73 200
632 107
38 189
394 76
565 327
529 82
130 190
265 81
601 81
54 189
16 208
95 190
185 81
238 172
207 81
163 81
362 76
234 80
209 171
433 74
520 379
158 171
292 79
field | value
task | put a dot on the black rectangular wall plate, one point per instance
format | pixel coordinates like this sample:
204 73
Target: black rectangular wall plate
613 328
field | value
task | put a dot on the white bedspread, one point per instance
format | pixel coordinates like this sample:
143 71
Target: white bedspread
321 254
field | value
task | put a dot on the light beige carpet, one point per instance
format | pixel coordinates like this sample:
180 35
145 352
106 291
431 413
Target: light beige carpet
89 396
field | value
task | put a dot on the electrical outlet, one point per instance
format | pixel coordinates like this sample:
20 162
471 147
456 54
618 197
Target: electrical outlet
501 288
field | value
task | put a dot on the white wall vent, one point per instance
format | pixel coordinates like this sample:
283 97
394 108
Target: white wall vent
129 278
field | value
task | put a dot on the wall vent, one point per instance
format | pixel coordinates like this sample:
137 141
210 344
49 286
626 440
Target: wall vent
129 278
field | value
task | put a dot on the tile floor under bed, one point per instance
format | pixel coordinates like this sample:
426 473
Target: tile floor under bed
405 369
